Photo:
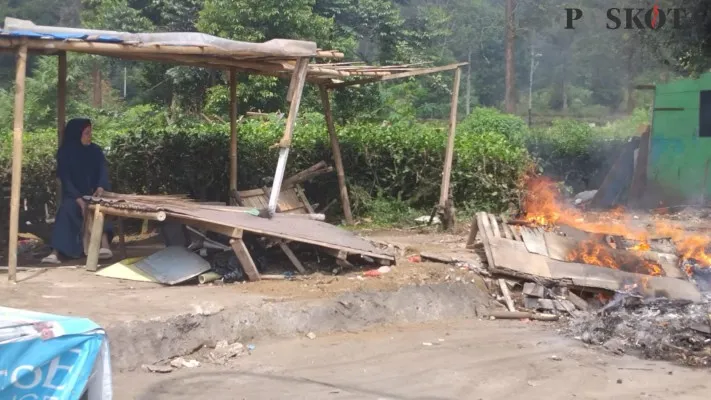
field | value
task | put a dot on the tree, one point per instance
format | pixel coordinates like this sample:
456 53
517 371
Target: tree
510 97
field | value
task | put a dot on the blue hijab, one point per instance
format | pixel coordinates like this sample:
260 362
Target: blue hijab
82 169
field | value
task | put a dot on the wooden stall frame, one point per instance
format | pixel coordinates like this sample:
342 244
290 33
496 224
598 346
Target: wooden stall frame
251 61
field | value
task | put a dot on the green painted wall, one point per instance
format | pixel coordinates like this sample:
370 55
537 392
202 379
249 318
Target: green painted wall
680 160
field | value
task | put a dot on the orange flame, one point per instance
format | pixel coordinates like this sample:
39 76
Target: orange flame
543 207
594 253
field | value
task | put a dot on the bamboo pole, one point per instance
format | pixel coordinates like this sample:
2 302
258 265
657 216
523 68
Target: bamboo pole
449 155
233 136
61 96
159 216
18 125
298 79
337 159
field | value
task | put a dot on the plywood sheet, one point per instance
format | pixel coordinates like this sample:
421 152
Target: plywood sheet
512 255
173 265
126 269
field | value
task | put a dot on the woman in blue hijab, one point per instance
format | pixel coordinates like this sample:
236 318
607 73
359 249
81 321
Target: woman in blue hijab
81 167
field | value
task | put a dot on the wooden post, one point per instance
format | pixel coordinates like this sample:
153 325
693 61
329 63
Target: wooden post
449 155
18 126
337 159
61 96
96 73
296 88
233 136
97 230
61 111
245 259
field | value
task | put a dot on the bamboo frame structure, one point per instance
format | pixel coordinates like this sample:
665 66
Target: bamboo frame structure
271 59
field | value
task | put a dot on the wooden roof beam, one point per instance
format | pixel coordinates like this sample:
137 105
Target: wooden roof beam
418 72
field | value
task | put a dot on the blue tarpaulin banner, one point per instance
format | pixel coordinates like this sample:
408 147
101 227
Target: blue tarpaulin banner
51 357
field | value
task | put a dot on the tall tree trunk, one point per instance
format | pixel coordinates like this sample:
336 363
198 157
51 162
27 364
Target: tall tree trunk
97 98
469 83
510 97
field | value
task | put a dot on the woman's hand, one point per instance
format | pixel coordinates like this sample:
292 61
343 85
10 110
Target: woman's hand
99 192
82 204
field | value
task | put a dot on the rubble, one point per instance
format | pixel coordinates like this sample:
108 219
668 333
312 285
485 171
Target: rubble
657 329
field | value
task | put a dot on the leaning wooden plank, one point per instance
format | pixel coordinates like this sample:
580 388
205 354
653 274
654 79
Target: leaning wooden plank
226 230
494 225
507 296
250 269
590 276
292 257
483 223
97 230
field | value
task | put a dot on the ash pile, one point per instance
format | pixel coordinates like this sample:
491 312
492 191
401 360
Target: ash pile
660 329
636 284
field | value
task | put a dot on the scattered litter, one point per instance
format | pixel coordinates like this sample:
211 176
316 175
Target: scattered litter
311 335
372 273
619 381
160 369
556 358
414 258
180 362
425 219
224 351
384 270
532 383
251 347
426 344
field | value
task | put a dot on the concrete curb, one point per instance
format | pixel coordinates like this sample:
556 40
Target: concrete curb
148 341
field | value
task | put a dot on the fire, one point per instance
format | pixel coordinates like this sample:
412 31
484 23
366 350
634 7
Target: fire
595 253
642 246
543 207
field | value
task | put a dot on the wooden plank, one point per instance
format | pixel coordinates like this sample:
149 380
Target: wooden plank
245 194
250 269
639 179
121 212
508 234
229 231
305 201
97 230
534 241
482 221
590 276
494 226
507 295
17 131
337 159
513 258
516 232
292 257
449 152
617 179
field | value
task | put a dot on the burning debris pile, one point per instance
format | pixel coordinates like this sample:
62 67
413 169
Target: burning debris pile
638 283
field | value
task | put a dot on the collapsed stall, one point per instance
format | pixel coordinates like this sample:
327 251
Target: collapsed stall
277 57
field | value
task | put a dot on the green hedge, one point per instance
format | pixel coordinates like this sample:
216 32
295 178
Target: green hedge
399 160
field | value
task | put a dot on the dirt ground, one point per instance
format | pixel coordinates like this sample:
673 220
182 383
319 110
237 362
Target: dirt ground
71 290
450 360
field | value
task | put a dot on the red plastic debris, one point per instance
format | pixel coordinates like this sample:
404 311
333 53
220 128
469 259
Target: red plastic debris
414 259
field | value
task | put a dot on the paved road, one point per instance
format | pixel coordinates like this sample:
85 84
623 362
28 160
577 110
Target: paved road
466 360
